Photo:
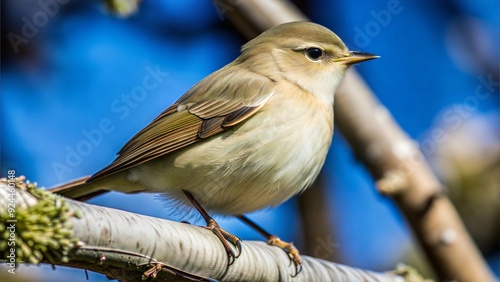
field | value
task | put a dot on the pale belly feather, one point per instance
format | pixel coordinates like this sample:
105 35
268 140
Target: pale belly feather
258 164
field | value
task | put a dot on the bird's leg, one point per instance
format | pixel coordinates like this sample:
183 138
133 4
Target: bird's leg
222 234
273 240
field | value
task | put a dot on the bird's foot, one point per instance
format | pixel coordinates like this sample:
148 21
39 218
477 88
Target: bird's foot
290 249
226 238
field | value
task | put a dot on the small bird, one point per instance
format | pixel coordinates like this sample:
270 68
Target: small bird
247 137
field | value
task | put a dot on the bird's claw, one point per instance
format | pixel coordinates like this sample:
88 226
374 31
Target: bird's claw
291 250
226 237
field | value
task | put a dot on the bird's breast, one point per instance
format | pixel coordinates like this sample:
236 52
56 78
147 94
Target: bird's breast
260 163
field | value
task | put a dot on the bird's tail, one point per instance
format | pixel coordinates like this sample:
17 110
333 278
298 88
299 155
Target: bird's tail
78 189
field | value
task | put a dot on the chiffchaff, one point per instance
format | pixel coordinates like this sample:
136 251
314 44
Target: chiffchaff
249 136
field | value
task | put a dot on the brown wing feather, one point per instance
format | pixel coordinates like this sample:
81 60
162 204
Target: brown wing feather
196 115
161 137
210 127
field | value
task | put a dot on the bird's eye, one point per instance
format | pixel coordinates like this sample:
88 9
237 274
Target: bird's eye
313 53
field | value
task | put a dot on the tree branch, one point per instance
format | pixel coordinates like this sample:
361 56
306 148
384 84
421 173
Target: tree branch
52 229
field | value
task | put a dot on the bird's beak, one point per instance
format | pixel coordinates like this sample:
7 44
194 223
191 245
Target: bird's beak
354 57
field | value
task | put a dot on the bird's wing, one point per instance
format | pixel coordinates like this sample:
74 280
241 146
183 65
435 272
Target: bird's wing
220 101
